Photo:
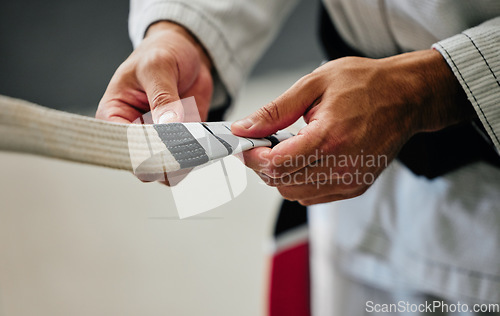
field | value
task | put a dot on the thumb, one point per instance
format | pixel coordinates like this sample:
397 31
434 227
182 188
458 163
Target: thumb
278 114
163 98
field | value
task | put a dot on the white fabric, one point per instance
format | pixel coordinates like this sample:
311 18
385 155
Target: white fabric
438 236
441 236
355 297
474 57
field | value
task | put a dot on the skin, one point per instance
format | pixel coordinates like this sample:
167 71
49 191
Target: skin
168 65
352 106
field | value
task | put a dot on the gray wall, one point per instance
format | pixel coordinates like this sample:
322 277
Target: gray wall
297 44
62 53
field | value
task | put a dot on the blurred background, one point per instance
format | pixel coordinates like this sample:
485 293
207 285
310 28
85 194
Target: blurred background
84 240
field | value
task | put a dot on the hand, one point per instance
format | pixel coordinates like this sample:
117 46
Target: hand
168 65
359 113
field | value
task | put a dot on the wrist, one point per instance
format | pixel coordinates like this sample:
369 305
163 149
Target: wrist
432 93
164 27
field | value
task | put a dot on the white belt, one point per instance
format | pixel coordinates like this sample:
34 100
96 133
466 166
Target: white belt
144 149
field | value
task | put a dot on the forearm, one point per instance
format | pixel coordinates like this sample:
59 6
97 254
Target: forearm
428 91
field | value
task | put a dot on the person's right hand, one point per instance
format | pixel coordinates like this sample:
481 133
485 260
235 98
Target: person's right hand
168 65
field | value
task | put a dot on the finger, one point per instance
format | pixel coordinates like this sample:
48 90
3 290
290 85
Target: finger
315 190
175 177
323 199
123 101
150 177
290 155
306 148
160 85
256 159
280 113
308 175
119 119
118 111
319 172
329 198
202 89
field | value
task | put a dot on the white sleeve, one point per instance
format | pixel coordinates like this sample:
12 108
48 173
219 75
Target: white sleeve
234 32
474 57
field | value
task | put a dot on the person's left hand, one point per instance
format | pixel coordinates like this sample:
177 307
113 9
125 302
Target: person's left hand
359 113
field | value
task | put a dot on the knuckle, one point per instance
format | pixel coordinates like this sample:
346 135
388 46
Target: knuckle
276 172
306 202
325 145
158 57
286 193
271 171
161 99
351 187
106 107
267 180
356 193
339 172
270 112
361 190
354 189
307 80
155 60
100 113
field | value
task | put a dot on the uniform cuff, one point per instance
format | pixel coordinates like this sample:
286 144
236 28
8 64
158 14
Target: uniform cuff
474 59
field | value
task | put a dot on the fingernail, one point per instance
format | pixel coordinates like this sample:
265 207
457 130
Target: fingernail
167 117
245 123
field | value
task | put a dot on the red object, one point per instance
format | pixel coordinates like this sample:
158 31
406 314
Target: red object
289 287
